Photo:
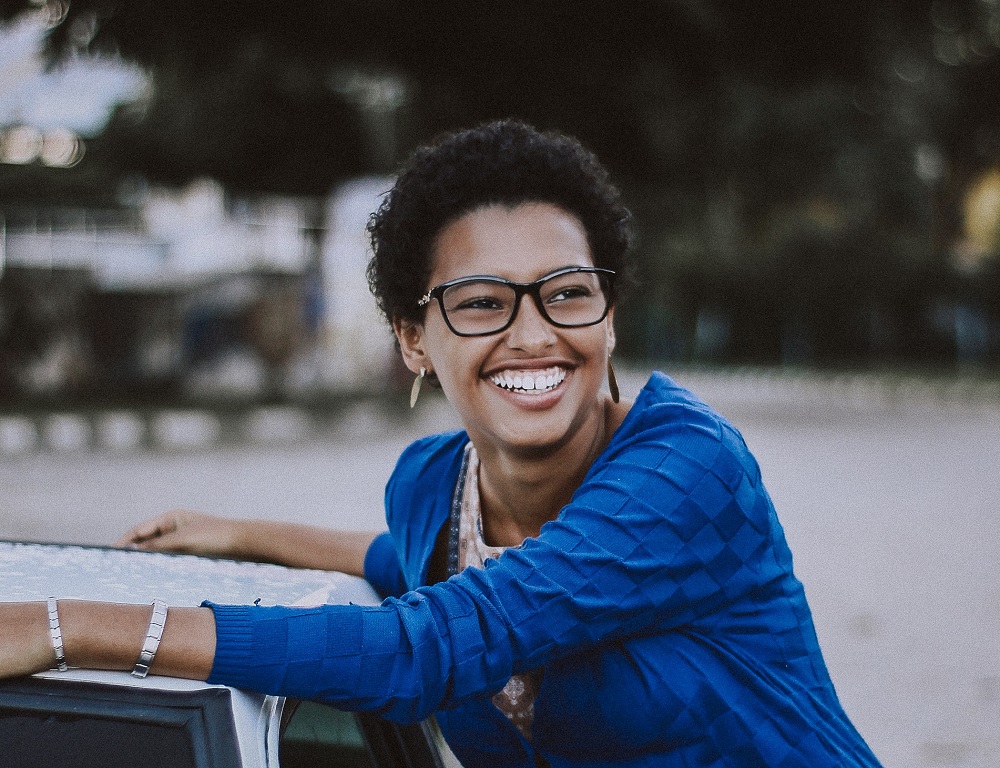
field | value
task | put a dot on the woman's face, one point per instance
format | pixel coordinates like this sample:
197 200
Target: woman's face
520 244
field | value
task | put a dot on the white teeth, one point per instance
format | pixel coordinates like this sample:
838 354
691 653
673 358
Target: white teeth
537 382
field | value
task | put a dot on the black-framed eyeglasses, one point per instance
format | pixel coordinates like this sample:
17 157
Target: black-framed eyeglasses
480 305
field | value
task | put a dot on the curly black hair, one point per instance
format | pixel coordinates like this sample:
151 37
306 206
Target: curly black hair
505 162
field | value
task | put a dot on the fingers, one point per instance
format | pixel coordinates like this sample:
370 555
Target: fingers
182 530
147 534
141 533
165 541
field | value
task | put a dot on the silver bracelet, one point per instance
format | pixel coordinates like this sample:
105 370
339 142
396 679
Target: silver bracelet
152 641
55 632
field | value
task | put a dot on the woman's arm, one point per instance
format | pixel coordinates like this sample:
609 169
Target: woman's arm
268 541
666 531
671 525
105 636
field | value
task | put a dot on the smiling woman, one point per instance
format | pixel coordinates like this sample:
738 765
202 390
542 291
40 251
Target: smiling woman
572 579
484 339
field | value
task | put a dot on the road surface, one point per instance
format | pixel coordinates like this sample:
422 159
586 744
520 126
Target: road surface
889 492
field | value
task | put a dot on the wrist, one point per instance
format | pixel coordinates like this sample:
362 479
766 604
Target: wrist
246 543
33 652
88 639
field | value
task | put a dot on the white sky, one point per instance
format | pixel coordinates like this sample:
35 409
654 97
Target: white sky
78 96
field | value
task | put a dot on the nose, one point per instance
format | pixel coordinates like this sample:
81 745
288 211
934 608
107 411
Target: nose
530 330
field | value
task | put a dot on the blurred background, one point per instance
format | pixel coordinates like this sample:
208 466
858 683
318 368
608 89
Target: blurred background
183 185
184 319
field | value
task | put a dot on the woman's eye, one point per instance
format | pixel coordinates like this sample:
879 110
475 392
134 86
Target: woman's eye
481 303
566 294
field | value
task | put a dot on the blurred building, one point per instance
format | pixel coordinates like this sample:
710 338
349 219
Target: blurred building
192 294
354 349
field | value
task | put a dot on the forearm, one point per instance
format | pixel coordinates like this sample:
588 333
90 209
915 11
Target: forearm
105 636
304 546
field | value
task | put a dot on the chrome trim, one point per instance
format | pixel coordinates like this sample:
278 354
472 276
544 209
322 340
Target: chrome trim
271 710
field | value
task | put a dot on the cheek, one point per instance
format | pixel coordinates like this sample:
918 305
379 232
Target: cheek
603 340
436 345
455 360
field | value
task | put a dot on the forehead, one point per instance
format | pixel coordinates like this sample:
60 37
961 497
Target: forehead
519 243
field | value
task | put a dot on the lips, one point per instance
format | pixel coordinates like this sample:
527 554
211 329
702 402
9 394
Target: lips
530 382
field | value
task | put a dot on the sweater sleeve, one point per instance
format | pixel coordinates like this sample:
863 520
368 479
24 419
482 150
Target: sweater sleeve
382 568
670 525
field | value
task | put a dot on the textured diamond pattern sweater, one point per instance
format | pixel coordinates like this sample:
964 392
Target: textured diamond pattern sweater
660 606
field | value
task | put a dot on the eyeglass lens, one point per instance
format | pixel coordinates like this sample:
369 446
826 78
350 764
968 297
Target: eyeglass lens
486 306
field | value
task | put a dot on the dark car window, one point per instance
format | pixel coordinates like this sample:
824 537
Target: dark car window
43 740
80 725
315 735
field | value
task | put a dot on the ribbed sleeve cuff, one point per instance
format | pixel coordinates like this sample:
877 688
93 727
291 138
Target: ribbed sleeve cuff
234 647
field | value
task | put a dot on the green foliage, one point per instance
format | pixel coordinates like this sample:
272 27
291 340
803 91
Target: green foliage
796 169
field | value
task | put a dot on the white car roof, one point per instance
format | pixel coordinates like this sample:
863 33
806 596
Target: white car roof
35 571
32 571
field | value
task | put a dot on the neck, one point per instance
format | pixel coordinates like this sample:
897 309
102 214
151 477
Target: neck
519 493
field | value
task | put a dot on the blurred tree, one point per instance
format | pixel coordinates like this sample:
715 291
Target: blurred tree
794 167
259 93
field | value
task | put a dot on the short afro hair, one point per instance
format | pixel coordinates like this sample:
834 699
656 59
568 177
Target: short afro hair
506 162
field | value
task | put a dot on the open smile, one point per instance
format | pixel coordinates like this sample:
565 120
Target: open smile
530 382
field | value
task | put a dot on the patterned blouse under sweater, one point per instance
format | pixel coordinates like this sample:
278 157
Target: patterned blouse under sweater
517 699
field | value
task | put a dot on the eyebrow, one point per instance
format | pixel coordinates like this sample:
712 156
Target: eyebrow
520 282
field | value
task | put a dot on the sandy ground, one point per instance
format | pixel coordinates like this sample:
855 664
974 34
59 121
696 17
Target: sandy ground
889 493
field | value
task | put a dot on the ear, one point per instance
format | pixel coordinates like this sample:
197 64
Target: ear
410 336
610 320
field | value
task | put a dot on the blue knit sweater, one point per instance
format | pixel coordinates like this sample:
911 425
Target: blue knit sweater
661 606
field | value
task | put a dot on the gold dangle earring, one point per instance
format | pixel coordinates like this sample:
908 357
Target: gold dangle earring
612 382
415 389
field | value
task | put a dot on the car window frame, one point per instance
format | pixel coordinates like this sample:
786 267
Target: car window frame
205 715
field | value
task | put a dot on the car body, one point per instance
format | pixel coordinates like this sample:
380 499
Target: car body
86 718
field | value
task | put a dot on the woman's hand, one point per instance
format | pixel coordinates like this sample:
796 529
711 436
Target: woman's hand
194 533
265 541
